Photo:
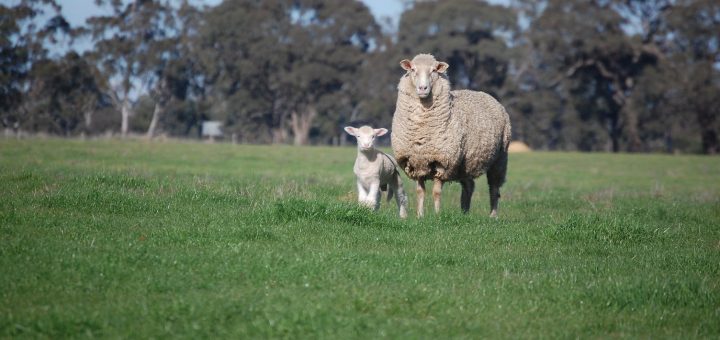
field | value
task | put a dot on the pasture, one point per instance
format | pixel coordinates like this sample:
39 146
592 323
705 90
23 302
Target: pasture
136 240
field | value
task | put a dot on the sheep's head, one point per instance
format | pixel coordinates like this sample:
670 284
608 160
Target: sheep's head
423 71
365 136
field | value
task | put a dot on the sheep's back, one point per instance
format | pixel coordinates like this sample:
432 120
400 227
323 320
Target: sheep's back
486 126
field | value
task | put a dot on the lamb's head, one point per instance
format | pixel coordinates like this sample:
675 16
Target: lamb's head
423 70
365 136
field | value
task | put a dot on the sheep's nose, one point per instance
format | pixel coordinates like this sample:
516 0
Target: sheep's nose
422 87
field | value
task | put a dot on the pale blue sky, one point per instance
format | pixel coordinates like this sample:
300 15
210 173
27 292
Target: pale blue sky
76 11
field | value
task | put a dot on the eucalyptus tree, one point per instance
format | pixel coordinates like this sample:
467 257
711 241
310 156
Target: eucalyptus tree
274 67
133 46
27 30
596 64
695 62
472 36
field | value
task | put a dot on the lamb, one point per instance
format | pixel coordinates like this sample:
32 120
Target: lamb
447 135
375 169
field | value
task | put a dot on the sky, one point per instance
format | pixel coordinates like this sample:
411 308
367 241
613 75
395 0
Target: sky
386 12
76 11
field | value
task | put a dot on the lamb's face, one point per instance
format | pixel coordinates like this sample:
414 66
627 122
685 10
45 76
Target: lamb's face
423 71
365 136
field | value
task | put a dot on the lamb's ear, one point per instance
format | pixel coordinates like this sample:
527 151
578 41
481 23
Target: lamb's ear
380 131
441 67
406 64
350 130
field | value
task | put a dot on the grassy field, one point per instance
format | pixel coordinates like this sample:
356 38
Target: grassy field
137 240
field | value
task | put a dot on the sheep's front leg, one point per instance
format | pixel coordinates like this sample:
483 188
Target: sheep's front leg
420 197
437 191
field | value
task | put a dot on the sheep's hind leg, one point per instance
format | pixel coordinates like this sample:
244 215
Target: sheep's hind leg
420 197
437 192
496 178
400 196
494 199
468 187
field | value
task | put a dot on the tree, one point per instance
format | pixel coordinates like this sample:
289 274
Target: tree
471 35
129 50
596 61
278 65
695 59
22 43
62 96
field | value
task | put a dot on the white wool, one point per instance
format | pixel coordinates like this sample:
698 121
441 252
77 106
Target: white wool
374 170
449 135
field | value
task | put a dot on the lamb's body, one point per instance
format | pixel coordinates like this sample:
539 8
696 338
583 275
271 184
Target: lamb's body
450 136
374 170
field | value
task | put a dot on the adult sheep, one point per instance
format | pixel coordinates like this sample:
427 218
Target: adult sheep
448 135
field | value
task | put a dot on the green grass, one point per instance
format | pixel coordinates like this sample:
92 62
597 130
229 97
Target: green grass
139 240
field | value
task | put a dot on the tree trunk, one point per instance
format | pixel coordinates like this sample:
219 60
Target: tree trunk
154 121
615 134
279 135
88 120
125 112
631 130
301 124
276 121
710 143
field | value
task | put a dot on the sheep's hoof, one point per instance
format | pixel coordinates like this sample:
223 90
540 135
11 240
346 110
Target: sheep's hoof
493 214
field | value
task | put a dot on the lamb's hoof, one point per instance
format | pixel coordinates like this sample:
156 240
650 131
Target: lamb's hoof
493 214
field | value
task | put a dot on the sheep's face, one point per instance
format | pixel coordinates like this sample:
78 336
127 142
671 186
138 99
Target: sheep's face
365 136
423 71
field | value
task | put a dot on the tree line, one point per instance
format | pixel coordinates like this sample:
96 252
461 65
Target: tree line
612 75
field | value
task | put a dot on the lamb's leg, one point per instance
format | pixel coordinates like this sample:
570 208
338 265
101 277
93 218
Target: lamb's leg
400 196
437 191
362 193
373 196
468 187
496 178
420 197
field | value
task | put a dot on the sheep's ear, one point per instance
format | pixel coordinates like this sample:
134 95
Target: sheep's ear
381 131
350 130
441 67
406 64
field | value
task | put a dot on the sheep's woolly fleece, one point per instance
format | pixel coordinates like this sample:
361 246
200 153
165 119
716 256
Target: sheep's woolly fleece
452 135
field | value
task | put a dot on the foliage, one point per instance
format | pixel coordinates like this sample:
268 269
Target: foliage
599 75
